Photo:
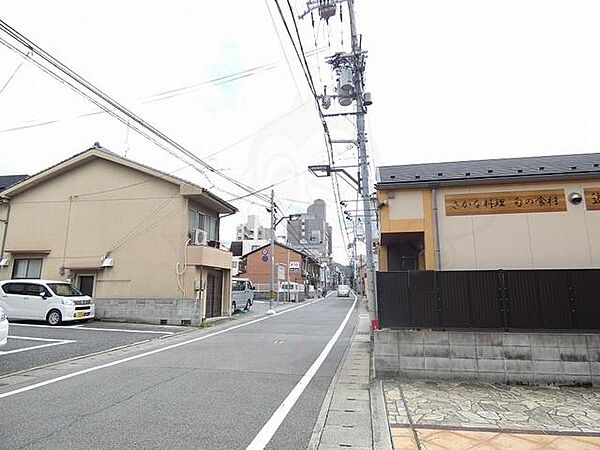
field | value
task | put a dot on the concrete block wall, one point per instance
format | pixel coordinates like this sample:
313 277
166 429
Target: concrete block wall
530 358
149 310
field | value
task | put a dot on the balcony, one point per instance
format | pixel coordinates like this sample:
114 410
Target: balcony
203 255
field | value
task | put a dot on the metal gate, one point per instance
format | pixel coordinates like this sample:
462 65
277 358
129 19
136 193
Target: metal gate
551 299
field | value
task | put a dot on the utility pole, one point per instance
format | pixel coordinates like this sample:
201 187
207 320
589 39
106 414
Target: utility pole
271 311
350 68
359 68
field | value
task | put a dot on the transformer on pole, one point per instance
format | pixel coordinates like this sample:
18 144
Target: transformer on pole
349 68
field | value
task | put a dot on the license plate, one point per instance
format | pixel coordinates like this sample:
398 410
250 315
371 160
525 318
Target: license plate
80 314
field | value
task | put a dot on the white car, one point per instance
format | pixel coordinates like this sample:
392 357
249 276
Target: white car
242 294
52 301
343 290
3 328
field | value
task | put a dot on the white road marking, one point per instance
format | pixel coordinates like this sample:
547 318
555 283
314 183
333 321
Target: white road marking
152 352
270 428
51 343
27 338
82 327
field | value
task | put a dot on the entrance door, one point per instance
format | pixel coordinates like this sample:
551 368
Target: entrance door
85 283
214 293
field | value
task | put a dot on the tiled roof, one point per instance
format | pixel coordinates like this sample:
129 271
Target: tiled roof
491 170
9 180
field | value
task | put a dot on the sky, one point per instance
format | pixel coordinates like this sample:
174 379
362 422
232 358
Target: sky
450 81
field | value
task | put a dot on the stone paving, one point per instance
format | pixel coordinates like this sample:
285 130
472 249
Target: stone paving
532 417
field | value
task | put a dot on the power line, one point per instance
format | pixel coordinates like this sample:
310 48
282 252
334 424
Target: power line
11 77
80 80
304 64
283 49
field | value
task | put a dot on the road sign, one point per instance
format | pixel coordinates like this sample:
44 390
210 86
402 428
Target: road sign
294 265
265 258
265 251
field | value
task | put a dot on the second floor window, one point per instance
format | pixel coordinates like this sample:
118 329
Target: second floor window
205 222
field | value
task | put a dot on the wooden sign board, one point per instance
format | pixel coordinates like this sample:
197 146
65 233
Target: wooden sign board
592 198
550 200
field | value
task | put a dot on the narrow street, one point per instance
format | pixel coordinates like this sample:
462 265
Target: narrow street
216 392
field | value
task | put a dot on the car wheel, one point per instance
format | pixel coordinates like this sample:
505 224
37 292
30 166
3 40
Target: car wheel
54 317
248 305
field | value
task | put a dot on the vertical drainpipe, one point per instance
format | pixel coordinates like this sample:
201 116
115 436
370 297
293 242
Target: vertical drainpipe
5 231
436 229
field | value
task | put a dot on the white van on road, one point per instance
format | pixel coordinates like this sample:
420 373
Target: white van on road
242 294
52 301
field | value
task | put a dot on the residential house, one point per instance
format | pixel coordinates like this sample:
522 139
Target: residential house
143 242
9 180
290 265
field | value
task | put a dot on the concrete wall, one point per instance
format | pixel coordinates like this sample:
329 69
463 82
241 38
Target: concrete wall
530 358
174 311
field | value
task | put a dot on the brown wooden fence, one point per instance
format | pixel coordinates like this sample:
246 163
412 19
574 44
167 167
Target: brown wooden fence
493 299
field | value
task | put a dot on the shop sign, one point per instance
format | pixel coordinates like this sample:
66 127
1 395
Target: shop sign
592 198
514 202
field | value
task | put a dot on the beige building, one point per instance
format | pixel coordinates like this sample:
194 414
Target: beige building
518 213
144 243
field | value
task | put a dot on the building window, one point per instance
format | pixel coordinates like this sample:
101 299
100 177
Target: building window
27 268
206 223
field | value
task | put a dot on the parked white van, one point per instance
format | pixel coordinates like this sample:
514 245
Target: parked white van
52 301
242 294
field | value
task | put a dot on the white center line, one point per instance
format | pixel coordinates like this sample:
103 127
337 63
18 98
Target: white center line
268 431
152 352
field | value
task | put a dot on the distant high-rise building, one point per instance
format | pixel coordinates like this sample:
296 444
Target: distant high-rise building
251 230
311 232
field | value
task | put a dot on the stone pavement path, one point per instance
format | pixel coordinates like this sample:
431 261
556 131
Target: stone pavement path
444 415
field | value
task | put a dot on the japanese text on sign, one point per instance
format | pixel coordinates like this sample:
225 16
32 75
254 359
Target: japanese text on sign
505 202
592 198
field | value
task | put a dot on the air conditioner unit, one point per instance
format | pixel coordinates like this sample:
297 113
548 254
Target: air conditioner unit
198 237
108 262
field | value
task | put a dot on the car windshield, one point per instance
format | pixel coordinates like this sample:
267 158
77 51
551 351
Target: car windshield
65 290
238 285
343 286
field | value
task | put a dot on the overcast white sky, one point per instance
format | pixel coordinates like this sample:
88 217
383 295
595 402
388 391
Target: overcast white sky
450 80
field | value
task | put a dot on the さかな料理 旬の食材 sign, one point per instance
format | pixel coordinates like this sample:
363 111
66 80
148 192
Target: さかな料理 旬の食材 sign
510 202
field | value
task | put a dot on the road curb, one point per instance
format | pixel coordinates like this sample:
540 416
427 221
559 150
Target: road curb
382 438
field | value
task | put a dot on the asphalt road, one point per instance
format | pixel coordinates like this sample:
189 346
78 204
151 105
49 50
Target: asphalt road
33 344
214 393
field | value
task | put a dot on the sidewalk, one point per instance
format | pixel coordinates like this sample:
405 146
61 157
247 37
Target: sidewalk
353 414
451 415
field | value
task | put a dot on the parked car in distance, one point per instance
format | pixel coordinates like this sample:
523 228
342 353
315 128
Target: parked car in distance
242 294
3 328
52 301
343 290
